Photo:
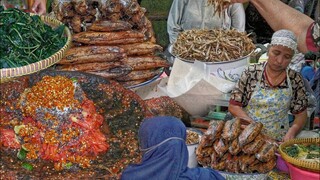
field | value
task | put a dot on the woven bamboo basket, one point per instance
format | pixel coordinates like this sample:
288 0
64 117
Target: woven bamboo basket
8 73
308 165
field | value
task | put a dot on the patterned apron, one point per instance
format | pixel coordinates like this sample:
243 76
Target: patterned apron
271 107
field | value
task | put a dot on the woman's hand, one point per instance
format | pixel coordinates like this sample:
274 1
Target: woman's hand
299 122
289 135
39 7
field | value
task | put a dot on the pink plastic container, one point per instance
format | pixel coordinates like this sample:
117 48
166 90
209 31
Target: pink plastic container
298 174
281 164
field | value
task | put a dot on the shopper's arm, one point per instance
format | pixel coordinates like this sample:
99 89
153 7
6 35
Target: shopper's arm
39 6
281 16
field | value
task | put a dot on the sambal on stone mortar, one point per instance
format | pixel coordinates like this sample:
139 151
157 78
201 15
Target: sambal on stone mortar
67 124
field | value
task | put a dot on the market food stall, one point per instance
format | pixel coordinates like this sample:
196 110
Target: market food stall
75 113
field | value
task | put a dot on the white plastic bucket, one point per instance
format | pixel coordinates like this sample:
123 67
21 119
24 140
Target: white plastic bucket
192 149
229 70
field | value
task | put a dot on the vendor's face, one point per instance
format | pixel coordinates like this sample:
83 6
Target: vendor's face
279 57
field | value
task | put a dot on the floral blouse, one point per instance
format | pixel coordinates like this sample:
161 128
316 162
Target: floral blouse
249 78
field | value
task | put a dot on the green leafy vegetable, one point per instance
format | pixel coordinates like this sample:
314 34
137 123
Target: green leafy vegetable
26 39
67 165
27 166
74 79
22 154
301 151
296 150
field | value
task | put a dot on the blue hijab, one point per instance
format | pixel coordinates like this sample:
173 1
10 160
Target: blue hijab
165 153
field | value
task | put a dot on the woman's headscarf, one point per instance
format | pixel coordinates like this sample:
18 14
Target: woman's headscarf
285 38
162 140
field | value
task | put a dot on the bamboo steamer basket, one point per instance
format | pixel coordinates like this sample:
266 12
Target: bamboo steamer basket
8 73
303 164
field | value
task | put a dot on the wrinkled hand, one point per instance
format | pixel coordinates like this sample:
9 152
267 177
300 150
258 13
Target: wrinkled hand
39 7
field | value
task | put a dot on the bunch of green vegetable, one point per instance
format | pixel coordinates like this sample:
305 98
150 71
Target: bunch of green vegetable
26 39
301 151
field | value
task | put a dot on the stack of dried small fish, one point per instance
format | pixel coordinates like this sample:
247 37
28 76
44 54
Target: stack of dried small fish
219 5
214 45
234 147
113 39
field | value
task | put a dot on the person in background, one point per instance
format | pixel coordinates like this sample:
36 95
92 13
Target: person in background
39 7
165 155
281 16
199 14
315 86
307 71
267 91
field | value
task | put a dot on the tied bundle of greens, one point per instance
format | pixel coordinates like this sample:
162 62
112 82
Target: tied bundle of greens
26 39
305 152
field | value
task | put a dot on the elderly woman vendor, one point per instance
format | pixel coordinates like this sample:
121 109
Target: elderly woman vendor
266 92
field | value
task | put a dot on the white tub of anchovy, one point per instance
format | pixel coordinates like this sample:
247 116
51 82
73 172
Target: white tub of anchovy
193 139
225 53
